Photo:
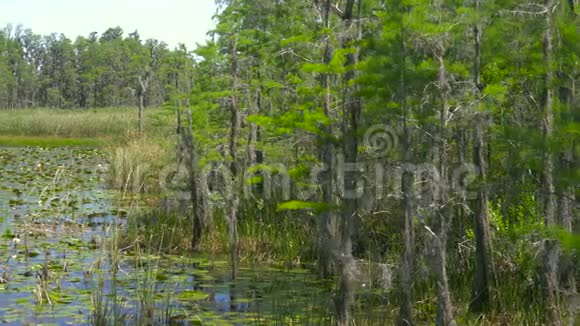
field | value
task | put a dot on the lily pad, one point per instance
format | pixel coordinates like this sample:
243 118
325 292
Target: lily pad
192 295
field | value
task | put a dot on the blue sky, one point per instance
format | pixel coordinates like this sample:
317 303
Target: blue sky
171 21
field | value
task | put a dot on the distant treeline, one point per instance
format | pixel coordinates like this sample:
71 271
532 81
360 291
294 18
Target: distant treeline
104 70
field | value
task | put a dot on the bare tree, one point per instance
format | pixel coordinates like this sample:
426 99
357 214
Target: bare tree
197 207
143 80
443 210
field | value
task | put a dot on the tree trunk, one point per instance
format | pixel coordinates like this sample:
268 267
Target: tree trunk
407 268
484 271
196 200
550 259
443 211
483 251
348 223
438 266
328 220
141 109
548 188
234 201
566 202
143 84
566 193
408 256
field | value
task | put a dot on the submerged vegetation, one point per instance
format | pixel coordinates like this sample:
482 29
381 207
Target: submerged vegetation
353 162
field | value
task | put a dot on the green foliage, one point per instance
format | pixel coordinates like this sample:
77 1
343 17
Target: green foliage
53 71
299 205
570 241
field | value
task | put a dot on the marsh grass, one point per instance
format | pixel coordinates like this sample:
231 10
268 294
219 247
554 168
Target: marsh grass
89 123
49 141
108 307
166 231
144 303
78 127
282 240
137 164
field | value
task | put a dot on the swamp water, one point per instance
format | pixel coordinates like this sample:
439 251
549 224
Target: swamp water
55 215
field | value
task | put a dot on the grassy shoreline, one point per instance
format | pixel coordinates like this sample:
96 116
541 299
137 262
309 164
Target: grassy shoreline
74 123
52 141
79 127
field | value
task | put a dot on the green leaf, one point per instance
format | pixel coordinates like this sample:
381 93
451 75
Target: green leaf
299 204
497 91
192 295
